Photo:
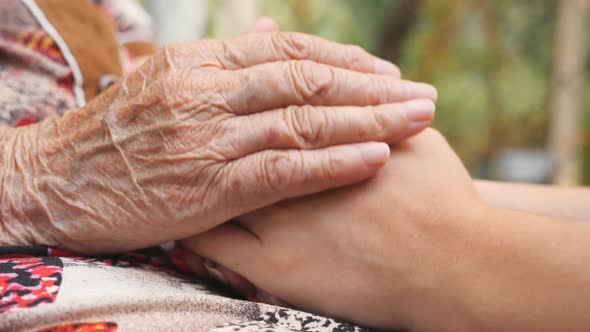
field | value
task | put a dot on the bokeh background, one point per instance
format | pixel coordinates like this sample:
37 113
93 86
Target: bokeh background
511 73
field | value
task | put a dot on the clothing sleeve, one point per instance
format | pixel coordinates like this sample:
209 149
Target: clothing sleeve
36 81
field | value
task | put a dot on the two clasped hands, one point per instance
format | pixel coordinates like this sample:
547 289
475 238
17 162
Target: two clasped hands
341 201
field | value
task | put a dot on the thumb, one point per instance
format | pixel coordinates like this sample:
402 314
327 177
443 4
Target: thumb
264 24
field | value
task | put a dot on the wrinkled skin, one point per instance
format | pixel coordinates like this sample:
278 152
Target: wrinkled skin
202 133
377 253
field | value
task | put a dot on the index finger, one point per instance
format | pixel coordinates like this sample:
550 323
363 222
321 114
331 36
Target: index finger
254 49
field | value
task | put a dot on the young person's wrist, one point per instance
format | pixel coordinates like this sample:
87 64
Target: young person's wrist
472 278
444 301
522 272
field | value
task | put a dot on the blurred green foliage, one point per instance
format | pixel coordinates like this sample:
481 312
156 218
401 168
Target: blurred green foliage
491 60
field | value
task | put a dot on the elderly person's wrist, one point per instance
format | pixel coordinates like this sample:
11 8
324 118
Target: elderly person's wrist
44 169
57 178
23 216
9 234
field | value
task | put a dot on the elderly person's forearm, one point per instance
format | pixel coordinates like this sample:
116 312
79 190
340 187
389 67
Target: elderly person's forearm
24 214
13 169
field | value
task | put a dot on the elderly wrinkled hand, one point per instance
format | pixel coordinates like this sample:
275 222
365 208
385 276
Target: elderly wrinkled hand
202 133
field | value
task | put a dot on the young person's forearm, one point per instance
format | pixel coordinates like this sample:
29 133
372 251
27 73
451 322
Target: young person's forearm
521 272
566 203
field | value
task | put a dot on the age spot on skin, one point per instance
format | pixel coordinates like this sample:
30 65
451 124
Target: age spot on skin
236 185
363 134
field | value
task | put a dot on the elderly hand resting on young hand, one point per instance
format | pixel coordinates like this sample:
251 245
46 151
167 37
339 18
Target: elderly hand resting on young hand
202 133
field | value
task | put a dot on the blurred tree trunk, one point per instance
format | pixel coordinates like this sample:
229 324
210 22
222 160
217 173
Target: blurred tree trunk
303 12
490 27
436 45
399 22
567 95
496 128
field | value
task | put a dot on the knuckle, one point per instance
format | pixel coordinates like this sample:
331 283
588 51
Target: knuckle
280 170
230 57
308 125
223 141
357 57
331 166
378 91
180 56
311 80
390 122
294 45
234 87
403 91
223 90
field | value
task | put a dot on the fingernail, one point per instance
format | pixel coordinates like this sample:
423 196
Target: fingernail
422 90
374 154
214 272
419 110
383 67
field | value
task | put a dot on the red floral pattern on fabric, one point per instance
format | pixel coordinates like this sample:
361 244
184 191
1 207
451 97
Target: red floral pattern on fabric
26 282
83 327
38 40
26 120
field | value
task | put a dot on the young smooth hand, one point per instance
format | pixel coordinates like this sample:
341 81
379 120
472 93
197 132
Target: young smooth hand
384 253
